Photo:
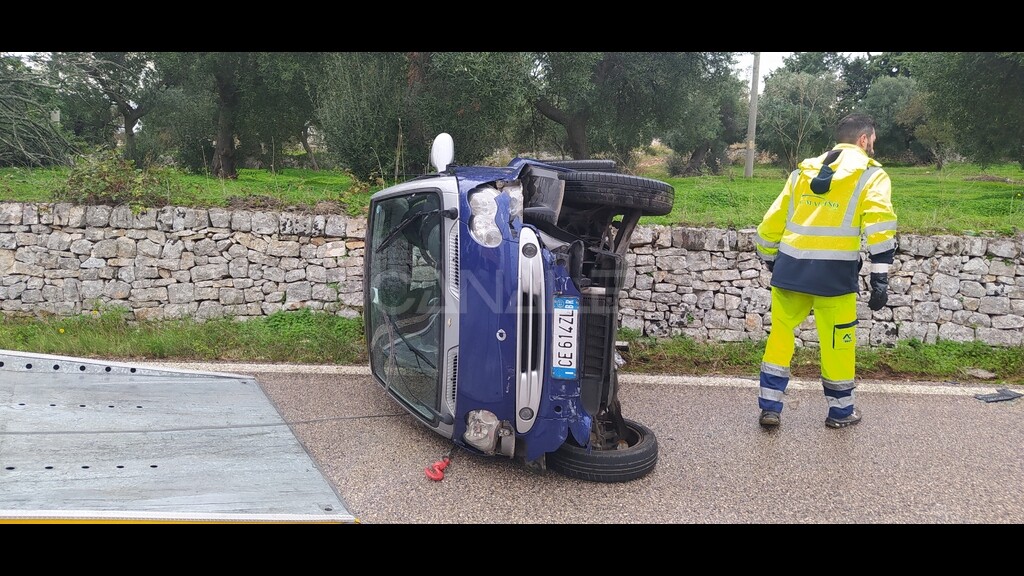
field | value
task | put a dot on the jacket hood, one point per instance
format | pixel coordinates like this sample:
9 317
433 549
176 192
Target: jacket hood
838 164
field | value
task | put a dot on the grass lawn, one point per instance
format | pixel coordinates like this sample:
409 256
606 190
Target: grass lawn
960 199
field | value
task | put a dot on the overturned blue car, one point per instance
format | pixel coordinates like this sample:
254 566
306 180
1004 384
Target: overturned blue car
491 308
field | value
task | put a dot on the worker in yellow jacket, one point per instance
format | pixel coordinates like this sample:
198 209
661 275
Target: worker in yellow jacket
831 208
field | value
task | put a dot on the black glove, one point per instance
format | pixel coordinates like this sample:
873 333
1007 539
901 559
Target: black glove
879 290
770 264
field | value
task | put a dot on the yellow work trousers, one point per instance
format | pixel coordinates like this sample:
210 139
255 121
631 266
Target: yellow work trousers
836 320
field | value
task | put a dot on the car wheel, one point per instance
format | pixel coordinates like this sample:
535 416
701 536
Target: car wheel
652 197
592 165
635 460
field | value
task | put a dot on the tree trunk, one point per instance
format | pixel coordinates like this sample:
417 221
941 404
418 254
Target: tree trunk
224 150
718 159
576 130
129 144
575 127
308 148
697 158
130 116
409 129
131 120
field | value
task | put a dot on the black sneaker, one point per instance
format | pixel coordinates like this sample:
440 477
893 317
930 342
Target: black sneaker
769 419
850 420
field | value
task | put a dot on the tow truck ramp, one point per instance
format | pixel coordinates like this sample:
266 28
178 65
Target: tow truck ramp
88 441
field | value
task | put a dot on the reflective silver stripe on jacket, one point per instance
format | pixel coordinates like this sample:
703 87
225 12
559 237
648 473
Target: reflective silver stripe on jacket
792 196
819 254
880 227
882 246
845 230
851 210
824 230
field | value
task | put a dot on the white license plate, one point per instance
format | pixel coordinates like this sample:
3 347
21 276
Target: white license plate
564 337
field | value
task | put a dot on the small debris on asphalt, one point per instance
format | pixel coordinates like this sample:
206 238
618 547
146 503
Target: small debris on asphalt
1000 395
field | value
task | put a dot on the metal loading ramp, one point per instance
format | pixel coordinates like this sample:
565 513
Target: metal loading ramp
92 441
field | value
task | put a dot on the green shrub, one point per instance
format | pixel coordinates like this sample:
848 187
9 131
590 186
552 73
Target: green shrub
104 177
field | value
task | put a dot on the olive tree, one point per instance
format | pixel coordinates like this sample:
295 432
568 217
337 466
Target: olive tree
360 107
379 111
30 134
711 119
253 105
796 115
887 101
613 102
125 83
978 95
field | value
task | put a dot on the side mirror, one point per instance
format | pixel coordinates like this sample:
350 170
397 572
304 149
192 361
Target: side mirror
442 151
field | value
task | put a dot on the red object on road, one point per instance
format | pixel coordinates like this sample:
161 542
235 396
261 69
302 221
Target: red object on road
436 470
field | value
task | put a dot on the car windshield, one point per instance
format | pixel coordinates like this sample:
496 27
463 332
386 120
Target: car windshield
405 298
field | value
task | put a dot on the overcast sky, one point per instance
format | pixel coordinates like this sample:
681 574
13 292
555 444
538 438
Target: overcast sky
769 61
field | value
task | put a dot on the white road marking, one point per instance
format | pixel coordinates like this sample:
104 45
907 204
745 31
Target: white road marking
908 387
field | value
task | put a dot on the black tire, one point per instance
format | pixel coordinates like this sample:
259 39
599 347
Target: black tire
593 165
651 197
539 215
608 466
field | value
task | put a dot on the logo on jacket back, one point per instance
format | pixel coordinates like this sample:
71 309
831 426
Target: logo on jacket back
818 202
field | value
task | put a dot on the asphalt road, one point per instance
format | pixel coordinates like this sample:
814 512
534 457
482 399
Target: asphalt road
924 454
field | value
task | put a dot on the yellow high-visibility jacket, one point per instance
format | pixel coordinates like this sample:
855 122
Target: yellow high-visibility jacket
814 230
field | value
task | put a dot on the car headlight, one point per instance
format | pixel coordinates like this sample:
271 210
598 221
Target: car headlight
482 430
483 206
515 199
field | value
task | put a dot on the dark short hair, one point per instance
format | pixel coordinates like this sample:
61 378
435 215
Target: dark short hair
852 126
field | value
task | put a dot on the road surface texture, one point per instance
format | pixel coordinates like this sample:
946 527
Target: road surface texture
924 453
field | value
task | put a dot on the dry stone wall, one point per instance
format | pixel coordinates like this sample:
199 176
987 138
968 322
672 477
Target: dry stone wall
63 260
709 284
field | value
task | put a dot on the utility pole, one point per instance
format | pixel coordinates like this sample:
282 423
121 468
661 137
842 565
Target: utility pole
748 171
